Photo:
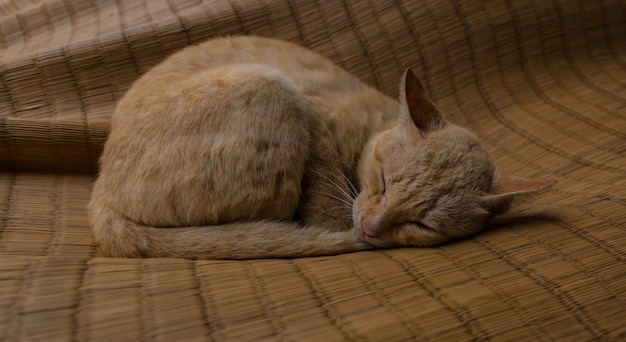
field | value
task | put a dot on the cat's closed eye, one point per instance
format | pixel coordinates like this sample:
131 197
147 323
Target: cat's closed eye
383 183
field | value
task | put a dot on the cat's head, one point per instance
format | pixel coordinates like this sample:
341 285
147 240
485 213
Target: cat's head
426 181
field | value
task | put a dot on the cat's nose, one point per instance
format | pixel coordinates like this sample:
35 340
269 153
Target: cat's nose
370 227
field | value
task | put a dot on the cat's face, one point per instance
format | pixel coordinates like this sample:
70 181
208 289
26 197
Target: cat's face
418 191
426 181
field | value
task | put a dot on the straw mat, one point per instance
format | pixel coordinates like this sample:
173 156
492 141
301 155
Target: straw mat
541 82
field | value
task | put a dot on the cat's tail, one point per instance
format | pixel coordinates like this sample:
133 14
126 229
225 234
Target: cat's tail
118 236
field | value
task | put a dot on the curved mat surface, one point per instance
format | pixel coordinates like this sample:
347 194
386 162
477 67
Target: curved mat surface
541 82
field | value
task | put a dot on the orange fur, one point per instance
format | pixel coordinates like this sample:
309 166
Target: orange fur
252 148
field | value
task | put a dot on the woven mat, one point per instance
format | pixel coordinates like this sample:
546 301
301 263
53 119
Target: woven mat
541 82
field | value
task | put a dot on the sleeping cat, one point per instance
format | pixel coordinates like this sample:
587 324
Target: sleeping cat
249 147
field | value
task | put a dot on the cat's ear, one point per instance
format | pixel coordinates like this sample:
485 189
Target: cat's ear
417 104
506 189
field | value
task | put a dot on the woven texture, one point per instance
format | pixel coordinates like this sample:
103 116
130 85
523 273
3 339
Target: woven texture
541 82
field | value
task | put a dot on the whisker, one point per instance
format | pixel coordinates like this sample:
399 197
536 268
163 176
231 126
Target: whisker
341 189
339 207
342 200
333 183
351 186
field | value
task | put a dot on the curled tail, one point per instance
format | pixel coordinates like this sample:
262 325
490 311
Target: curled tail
118 236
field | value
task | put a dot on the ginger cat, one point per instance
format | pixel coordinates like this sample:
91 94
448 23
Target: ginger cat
250 147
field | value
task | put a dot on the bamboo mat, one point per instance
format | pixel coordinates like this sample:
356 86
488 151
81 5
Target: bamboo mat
541 82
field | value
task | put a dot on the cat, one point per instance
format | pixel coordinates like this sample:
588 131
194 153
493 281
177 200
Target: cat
249 147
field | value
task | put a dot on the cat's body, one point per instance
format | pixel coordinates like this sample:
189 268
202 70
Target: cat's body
249 148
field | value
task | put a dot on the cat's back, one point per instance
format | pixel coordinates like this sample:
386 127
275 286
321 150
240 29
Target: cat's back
340 103
314 74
